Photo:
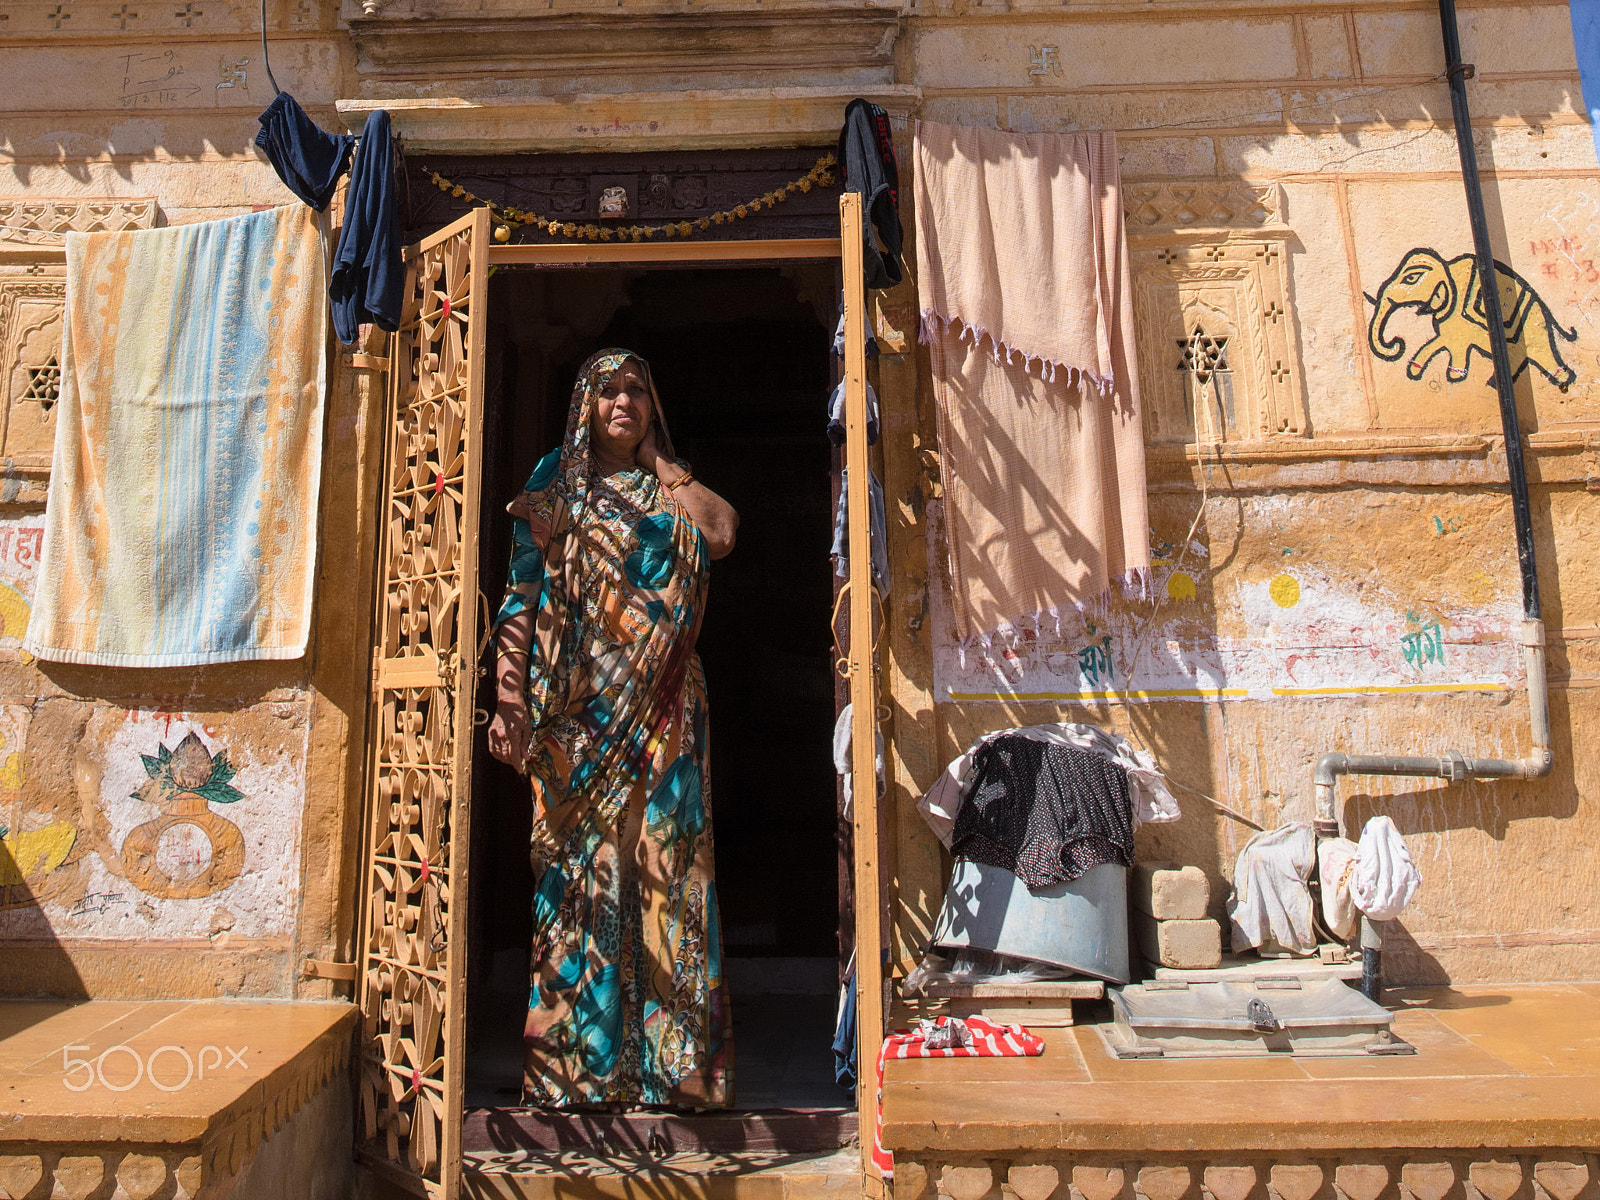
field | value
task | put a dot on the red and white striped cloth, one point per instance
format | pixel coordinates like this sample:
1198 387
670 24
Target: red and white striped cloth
951 1037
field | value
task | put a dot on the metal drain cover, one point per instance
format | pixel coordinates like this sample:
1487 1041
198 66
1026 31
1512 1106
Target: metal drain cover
1316 1017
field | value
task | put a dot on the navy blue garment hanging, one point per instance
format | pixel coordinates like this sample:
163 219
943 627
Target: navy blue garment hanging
306 157
867 166
368 275
844 1036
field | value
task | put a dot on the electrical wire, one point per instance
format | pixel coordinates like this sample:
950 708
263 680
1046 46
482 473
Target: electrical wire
1125 692
266 61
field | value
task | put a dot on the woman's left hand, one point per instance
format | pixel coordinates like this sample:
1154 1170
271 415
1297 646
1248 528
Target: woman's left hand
649 455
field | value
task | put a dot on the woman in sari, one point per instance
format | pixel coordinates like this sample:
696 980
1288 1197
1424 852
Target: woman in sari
602 703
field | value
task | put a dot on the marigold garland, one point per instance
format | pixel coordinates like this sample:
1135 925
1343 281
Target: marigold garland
821 175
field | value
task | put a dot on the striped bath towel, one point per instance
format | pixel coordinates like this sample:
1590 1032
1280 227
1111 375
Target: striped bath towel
183 491
947 1037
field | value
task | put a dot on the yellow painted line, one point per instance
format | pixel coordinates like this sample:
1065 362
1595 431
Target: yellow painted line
1164 694
1222 693
1391 690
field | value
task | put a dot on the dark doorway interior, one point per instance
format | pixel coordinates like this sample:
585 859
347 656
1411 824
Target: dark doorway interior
742 359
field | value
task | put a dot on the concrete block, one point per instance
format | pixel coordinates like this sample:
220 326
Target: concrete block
1170 892
1187 945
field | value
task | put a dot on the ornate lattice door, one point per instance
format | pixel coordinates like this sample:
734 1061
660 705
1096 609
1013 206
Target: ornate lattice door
413 964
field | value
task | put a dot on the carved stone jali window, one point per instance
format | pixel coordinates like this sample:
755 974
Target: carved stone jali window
32 295
1217 353
30 345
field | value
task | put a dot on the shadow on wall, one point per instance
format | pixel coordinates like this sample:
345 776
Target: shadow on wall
38 958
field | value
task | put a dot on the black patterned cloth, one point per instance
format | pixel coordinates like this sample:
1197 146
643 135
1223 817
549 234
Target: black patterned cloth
1047 813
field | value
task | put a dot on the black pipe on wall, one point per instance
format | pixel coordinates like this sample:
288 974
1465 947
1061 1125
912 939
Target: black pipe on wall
1490 291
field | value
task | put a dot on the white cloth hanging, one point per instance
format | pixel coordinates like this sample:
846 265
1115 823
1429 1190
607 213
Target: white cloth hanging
1385 878
1336 862
1271 904
841 757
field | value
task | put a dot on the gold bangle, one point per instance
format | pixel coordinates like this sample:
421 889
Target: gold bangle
502 651
686 477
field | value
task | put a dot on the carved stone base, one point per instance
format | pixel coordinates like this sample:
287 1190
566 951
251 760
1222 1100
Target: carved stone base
1430 1174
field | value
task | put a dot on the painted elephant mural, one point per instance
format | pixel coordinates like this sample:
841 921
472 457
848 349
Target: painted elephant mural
1451 295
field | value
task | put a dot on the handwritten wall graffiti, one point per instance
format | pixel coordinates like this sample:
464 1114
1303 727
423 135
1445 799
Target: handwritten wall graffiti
1247 629
1451 295
1424 646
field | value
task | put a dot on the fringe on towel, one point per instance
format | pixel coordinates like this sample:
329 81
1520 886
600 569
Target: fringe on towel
1047 368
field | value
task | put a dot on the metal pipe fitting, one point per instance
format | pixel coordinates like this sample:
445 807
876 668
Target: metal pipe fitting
1452 764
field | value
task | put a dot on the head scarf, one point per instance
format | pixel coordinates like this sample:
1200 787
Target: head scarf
575 466
556 503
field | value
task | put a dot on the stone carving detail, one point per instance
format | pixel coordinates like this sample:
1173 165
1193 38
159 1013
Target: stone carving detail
1551 1174
1217 353
42 222
30 371
1201 204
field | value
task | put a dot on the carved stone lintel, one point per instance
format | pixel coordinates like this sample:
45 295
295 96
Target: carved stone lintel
1162 206
45 221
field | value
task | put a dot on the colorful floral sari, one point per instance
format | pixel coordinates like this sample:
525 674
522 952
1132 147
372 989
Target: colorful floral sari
628 1004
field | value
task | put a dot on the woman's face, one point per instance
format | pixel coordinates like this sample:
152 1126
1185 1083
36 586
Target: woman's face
622 412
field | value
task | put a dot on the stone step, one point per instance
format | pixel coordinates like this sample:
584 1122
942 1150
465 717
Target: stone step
749 1175
174 1099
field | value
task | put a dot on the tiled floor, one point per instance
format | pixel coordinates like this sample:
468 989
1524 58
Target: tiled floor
1518 1061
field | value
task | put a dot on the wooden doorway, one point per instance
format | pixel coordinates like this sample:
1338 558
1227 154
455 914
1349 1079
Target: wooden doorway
415 920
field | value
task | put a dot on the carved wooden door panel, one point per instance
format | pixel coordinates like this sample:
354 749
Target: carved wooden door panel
414 934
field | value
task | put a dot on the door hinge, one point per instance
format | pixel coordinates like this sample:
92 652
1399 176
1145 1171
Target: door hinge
321 968
365 362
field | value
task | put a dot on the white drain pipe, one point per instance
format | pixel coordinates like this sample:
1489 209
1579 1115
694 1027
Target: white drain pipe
1452 764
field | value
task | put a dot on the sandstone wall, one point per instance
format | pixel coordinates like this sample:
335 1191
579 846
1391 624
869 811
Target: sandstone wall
1351 582
126 116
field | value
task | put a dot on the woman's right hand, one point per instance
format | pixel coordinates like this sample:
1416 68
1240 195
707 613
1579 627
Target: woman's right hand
509 734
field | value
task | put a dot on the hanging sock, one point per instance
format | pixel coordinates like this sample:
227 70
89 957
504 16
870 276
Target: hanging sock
306 157
877 526
844 1034
838 342
836 415
368 274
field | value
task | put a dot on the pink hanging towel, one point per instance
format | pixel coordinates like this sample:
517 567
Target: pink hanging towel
947 1037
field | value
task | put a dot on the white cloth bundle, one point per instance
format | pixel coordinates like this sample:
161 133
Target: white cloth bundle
1385 878
1271 902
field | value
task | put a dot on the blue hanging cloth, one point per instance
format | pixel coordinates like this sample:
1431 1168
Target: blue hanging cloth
368 274
307 158
844 1036
867 166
